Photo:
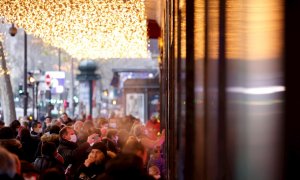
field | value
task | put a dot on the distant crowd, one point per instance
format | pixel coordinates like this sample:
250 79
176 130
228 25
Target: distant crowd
64 149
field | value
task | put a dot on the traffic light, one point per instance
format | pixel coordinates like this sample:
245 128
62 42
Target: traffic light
48 80
30 79
20 90
66 104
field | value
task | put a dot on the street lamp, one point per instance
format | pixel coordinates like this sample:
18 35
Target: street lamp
13 31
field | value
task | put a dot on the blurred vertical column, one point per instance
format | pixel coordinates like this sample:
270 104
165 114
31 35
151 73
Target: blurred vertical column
255 88
292 95
72 89
25 75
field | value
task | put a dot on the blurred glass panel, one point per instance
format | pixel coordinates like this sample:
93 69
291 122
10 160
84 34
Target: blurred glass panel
212 91
199 40
213 29
182 12
254 88
181 89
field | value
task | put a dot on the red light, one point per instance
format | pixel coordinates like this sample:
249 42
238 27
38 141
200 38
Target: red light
47 79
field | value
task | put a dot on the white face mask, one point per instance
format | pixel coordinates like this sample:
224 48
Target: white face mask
39 130
156 176
146 132
73 138
113 125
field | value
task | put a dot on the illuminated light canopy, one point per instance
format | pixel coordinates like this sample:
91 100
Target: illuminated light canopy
85 29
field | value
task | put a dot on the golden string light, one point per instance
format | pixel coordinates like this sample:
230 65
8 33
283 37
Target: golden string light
84 28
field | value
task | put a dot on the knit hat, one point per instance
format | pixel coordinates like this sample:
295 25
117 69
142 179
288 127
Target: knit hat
100 146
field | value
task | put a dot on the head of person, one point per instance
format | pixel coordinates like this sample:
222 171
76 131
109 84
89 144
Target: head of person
25 124
137 148
113 135
7 165
56 122
47 121
78 126
37 127
98 152
24 134
54 129
68 133
103 123
15 124
139 130
48 149
28 171
122 137
113 123
64 117
88 127
6 133
154 172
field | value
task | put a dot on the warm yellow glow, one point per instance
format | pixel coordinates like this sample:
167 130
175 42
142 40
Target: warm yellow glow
114 102
85 29
199 29
213 29
254 29
235 39
31 80
263 29
105 93
182 6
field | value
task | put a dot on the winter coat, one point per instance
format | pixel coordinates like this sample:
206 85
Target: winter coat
43 162
91 172
73 154
30 147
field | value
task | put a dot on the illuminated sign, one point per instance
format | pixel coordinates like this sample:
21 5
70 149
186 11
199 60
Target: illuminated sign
57 81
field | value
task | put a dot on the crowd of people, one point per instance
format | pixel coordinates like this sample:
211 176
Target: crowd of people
62 148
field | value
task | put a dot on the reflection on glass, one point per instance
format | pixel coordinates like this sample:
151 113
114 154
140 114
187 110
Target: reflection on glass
199 30
213 29
182 7
199 40
254 87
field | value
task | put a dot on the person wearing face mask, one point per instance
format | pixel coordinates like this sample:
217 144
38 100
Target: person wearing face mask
37 130
73 154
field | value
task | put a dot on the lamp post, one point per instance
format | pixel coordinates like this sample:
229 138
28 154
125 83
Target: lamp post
36 99
13 31
31 82
87 74
25 75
